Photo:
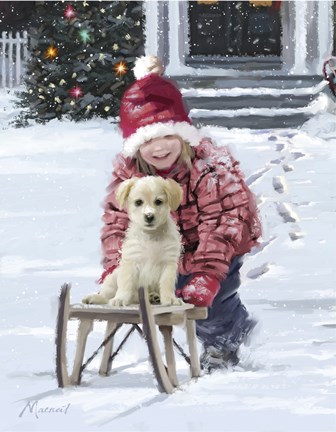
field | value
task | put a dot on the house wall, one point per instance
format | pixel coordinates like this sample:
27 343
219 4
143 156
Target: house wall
307 38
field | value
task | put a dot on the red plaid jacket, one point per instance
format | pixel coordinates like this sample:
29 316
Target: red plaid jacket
217 219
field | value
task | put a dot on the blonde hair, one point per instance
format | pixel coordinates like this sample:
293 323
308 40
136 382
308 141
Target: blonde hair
186 156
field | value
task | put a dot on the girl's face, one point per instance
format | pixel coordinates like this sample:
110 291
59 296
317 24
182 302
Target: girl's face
161 152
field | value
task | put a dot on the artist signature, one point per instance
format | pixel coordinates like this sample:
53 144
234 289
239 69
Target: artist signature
35 408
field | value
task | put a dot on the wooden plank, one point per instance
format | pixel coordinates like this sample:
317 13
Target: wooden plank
10 60
164 319
167 333
106 364
195 368
3 57
101 316
17 59
197 313
85 327
61 336
129 310
149 330
157 310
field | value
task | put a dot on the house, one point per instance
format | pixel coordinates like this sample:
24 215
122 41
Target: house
253 62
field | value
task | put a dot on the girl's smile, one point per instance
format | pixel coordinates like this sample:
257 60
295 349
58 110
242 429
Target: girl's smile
161 152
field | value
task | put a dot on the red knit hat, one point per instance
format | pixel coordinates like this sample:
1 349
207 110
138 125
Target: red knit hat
153 107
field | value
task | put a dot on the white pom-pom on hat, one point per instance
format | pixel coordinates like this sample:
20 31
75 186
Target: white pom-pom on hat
146 65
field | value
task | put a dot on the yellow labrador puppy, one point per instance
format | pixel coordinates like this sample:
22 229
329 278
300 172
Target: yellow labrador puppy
151 248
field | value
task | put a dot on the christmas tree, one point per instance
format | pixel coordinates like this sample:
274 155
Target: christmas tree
82 54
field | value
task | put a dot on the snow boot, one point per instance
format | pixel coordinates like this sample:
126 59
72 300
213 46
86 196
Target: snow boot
213 359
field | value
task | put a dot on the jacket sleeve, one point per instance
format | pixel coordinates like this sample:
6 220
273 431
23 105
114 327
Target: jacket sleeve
228 221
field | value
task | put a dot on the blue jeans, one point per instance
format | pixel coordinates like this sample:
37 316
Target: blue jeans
228 323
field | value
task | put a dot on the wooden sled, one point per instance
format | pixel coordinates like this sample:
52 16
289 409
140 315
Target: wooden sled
145 314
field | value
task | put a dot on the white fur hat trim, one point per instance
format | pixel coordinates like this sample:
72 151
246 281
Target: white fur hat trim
147 65
185 130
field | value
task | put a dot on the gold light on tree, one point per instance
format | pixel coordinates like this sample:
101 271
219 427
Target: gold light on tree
51 52
121 68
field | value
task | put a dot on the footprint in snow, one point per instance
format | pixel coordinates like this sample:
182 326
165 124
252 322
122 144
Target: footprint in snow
287 168
286 212
297 155
279 184
262 246
277 161
279 147
258 271
256 176
295 235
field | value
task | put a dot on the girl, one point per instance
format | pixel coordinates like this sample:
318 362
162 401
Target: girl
217 219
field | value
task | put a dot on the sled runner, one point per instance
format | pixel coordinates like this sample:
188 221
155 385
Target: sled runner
150 317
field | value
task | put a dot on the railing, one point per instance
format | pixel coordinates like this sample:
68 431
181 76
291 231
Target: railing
13 54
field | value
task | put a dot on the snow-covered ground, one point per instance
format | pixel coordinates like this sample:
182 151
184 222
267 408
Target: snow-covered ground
52 183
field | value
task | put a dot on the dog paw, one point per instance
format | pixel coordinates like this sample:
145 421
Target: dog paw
118 302
94 299
173 301
154 298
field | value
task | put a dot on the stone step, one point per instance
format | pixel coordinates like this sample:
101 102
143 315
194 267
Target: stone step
254 121
252 101
255 118
247 81
237 102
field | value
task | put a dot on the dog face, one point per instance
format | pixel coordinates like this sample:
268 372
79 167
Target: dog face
149 200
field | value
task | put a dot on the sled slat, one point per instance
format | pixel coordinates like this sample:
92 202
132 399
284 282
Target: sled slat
106 364
195 369
129 310
130 318
85 327
149 330
61 336
167 333
197 313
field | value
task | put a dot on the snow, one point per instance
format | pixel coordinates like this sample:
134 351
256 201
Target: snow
252 91
320 104
53 181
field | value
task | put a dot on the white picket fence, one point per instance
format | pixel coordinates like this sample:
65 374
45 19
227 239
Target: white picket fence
13 55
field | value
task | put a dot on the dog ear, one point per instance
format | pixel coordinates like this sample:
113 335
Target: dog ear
174 193
123 191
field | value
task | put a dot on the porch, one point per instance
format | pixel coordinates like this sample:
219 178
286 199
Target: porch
245 64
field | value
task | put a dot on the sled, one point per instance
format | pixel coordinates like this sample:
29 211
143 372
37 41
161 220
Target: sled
329 73
144 318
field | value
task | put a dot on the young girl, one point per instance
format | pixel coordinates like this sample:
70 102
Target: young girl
217 219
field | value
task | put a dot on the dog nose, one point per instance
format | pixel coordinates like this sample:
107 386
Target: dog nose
149 217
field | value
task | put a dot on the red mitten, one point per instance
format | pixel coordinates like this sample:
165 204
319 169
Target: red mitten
201 290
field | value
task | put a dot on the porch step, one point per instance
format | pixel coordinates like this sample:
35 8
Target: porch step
247 80
254 121
253 102
237 102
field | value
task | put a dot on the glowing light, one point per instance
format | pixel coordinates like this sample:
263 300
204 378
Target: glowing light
76 92
120 68
69 12
85 35
51 52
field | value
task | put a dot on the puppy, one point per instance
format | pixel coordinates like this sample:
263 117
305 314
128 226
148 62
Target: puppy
151 248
